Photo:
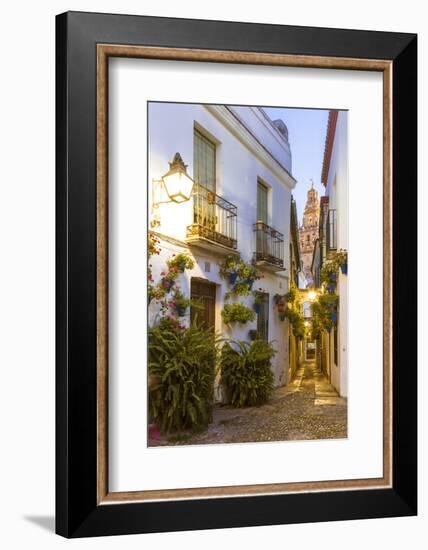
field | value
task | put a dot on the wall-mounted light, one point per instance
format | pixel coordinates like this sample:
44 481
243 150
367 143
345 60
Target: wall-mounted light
312 295
177 182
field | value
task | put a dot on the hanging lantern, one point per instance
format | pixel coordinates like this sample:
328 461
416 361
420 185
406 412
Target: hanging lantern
178 184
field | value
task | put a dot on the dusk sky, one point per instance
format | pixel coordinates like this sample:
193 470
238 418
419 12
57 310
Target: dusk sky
306 133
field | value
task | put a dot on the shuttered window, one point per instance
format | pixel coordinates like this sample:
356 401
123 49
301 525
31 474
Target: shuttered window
262 203
204 161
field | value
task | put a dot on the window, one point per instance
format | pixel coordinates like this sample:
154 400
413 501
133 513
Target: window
204 161
262 202
263 317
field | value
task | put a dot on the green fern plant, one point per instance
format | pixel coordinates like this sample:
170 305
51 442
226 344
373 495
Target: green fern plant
246 373
183 364
237 313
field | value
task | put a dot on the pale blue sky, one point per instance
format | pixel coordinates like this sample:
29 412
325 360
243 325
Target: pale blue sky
306 133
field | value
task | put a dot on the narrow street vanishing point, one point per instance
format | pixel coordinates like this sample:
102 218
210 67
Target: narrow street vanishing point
307 408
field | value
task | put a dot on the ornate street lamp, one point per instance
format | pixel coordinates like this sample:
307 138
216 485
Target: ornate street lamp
178 184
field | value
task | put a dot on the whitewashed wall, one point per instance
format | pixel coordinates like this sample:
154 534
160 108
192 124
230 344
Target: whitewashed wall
240 162
337 191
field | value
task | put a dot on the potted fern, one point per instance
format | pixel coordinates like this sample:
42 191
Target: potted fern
237 313
229 269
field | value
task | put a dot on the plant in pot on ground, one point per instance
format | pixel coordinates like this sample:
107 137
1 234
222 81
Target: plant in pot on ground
182 366
237 313
246 372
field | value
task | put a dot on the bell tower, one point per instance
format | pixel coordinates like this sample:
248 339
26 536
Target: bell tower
309 231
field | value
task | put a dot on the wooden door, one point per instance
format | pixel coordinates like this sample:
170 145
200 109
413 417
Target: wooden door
204 293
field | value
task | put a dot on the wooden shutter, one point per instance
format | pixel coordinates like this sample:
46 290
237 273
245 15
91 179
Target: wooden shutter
204 293
204 161
263 318
262 203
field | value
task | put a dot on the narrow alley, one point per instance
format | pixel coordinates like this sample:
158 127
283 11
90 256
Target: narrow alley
308 408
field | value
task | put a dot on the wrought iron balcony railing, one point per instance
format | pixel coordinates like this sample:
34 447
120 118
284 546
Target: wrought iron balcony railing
214 218
269 245
331 231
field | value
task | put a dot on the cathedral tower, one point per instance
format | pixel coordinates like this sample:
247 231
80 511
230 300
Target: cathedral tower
309 232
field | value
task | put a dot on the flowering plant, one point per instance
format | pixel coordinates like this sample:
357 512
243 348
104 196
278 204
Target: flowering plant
153 245
180 262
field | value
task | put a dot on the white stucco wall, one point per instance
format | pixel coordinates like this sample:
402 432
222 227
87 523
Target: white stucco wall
240 162
337 191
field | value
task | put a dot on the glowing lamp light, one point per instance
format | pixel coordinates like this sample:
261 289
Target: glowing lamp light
312 295
178 184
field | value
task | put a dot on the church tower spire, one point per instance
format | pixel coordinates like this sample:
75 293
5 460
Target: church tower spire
309 231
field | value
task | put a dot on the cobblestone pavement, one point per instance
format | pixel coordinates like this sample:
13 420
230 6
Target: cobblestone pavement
308 408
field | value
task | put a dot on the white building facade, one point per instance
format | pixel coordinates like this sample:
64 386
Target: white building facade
241 163
335 231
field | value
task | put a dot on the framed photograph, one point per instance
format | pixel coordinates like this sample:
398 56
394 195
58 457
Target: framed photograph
236 254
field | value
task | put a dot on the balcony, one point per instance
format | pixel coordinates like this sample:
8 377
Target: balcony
269 252
331 232
215 222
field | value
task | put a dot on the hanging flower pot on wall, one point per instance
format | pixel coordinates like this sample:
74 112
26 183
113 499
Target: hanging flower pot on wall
331 288
167 284
281 306
181 310
250 283
232 278
257 308
344 268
